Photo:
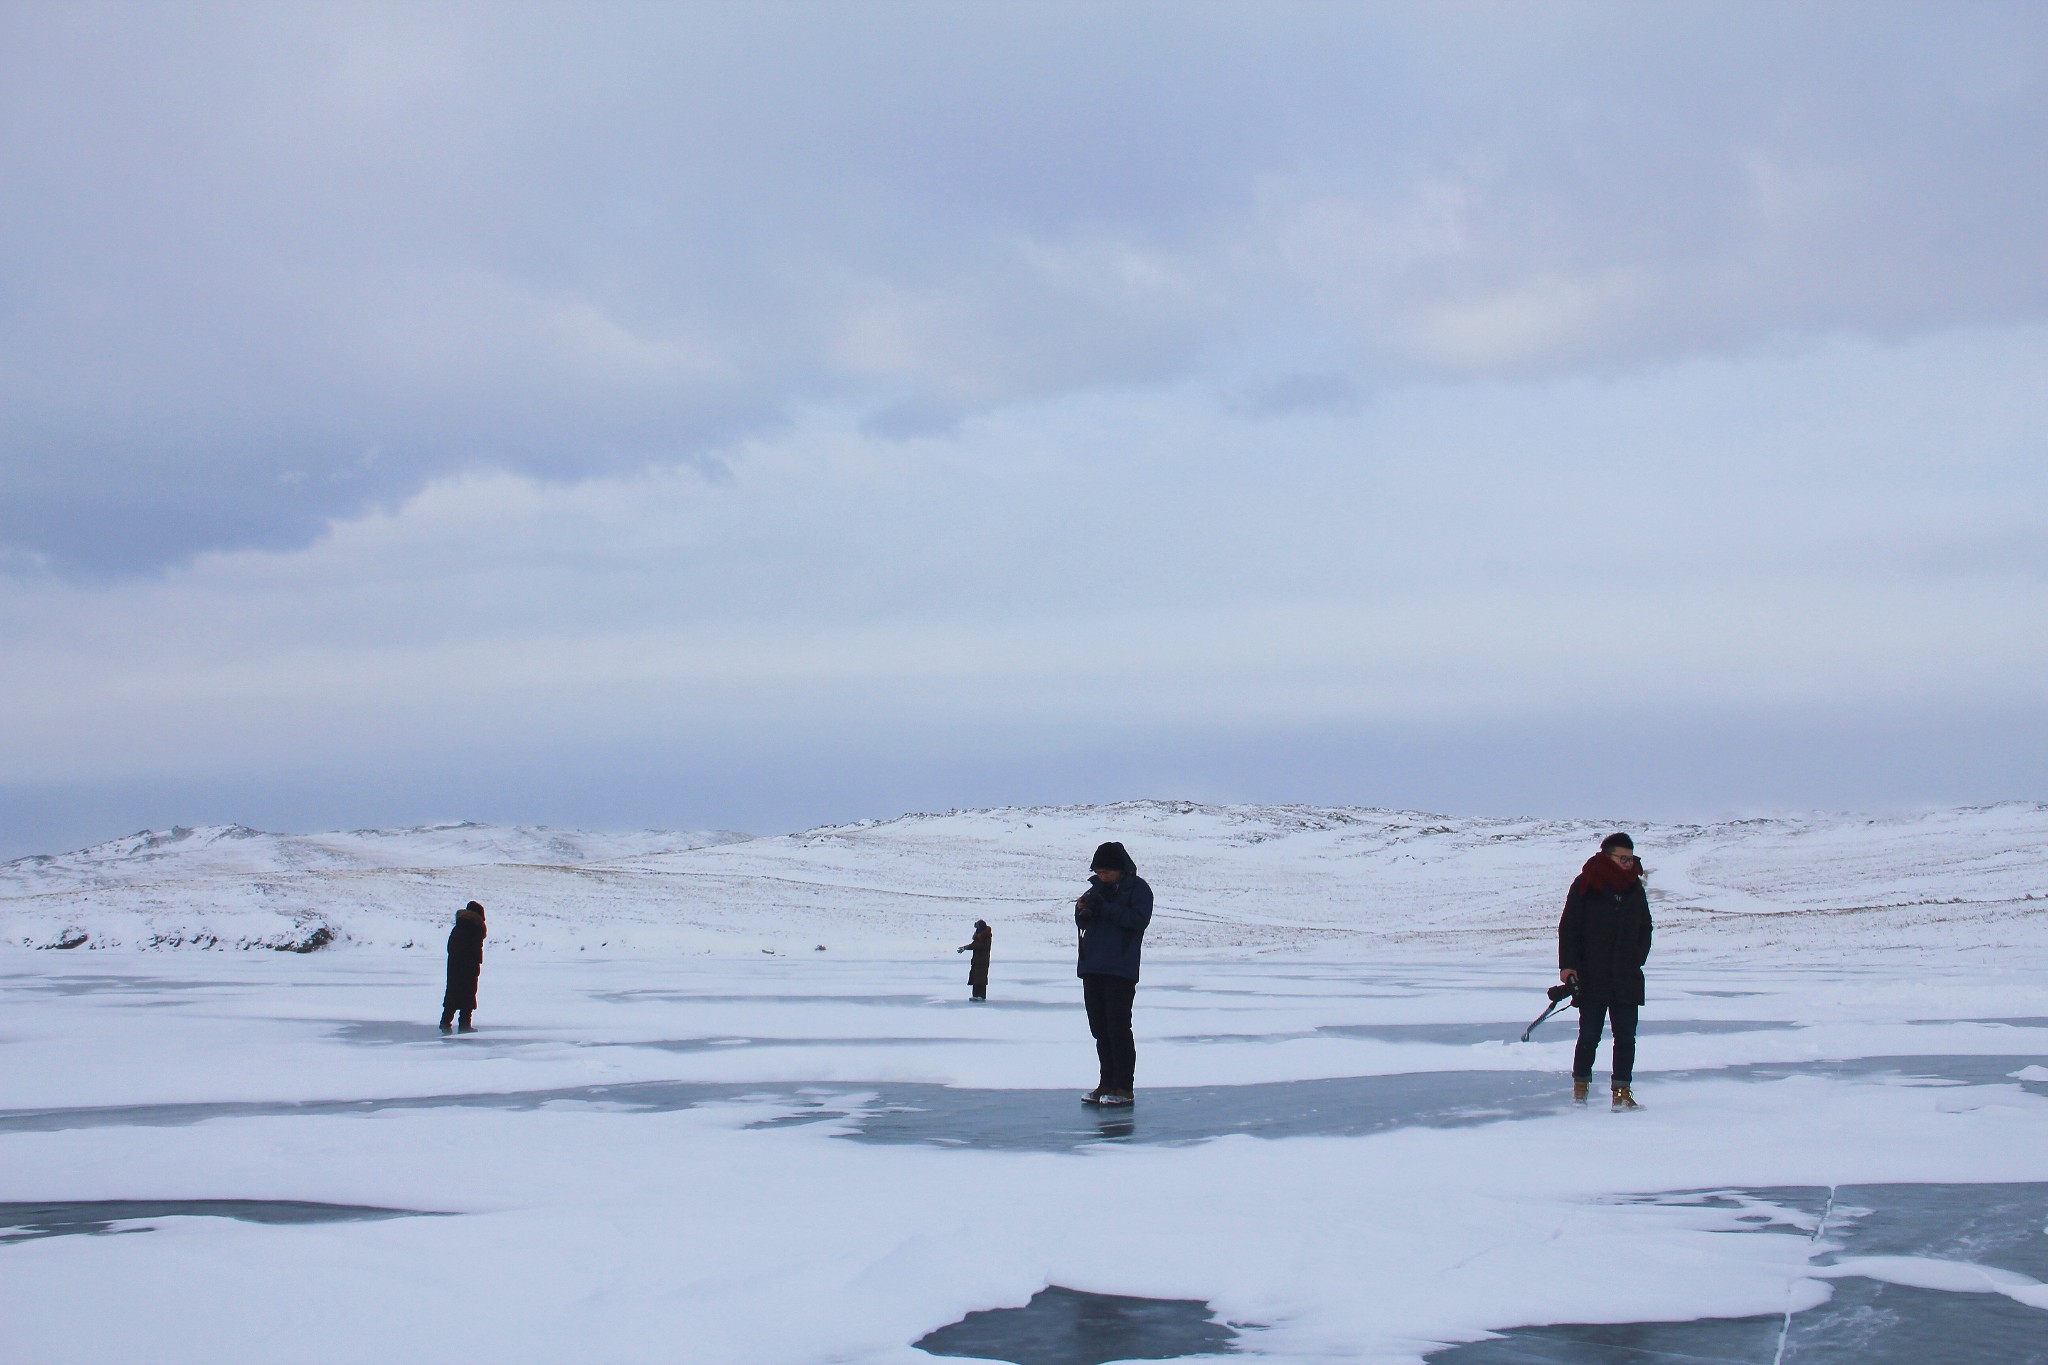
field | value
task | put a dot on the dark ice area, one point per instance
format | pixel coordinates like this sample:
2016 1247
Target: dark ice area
27 1222
1056 1121
1864 1322
1068 1327
385 1033
1714 1341
112 984
1013 1120
1567 1023
643 997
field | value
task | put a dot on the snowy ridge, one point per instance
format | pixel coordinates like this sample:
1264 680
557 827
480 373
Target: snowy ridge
213 850
1230 879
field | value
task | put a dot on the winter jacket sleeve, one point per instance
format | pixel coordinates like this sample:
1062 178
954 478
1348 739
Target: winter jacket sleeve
1132 911
1570 935
1643 920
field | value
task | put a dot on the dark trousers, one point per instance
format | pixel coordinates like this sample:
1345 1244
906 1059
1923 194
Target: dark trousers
1592 1015
1109 1018
980 992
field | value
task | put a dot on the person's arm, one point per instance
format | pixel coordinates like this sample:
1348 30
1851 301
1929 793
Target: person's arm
1648 928
1569 949
1132 911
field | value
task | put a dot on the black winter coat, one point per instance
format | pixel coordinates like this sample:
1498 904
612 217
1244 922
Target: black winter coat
1604 936
977 965
465 961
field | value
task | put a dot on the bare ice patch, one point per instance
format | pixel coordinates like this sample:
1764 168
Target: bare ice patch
1069 1327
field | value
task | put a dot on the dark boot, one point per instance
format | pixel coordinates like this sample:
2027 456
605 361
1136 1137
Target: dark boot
465 1026
447 1020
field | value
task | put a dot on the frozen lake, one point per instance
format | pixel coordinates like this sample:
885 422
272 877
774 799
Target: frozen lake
232 1156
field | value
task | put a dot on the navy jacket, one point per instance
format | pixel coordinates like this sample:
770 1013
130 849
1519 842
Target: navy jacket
1112 922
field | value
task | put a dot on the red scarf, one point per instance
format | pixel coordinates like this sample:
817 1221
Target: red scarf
1602 873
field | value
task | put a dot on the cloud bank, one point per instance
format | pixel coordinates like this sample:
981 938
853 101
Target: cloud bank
909 402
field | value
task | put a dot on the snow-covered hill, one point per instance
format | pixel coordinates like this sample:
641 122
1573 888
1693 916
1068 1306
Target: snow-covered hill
1229 879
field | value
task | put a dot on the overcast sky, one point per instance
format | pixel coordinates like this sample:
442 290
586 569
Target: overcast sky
758 415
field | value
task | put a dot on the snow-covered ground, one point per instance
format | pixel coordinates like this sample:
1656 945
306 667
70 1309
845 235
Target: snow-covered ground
668 1144
1231 881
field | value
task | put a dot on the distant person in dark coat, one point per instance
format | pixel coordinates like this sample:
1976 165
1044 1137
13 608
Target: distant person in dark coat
465 964
1603 939
977 966
1111 915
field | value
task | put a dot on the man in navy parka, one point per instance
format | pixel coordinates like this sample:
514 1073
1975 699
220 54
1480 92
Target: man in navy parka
1111 915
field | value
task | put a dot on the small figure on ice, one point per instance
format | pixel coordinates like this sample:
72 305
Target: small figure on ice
465 964
1603 939
1111 915
977 966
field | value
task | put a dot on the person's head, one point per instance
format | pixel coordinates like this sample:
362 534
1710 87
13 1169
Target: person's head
1619 847
477 906
1110 863
981 924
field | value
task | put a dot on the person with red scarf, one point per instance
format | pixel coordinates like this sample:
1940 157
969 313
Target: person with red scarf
1603 939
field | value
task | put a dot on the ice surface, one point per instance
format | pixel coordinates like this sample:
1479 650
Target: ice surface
666 1144
1916 1273
1065 1327
97 1217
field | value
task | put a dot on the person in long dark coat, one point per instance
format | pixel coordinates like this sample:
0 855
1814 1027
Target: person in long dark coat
977 966
465 964
1603 939
1111 915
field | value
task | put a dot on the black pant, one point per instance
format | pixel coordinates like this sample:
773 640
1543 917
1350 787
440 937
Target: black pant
1592 1014
980 992
1109 1018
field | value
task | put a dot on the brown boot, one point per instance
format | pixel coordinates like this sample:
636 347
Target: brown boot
1095 1096
1579 1089
1623 1099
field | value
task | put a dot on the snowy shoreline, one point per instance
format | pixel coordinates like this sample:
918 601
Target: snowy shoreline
1322 883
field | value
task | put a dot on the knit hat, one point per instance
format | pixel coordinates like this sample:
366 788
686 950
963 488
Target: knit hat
1111 858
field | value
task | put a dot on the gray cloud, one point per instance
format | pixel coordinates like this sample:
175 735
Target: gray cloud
264 268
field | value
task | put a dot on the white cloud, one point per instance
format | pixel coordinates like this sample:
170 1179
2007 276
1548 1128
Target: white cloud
1448 554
